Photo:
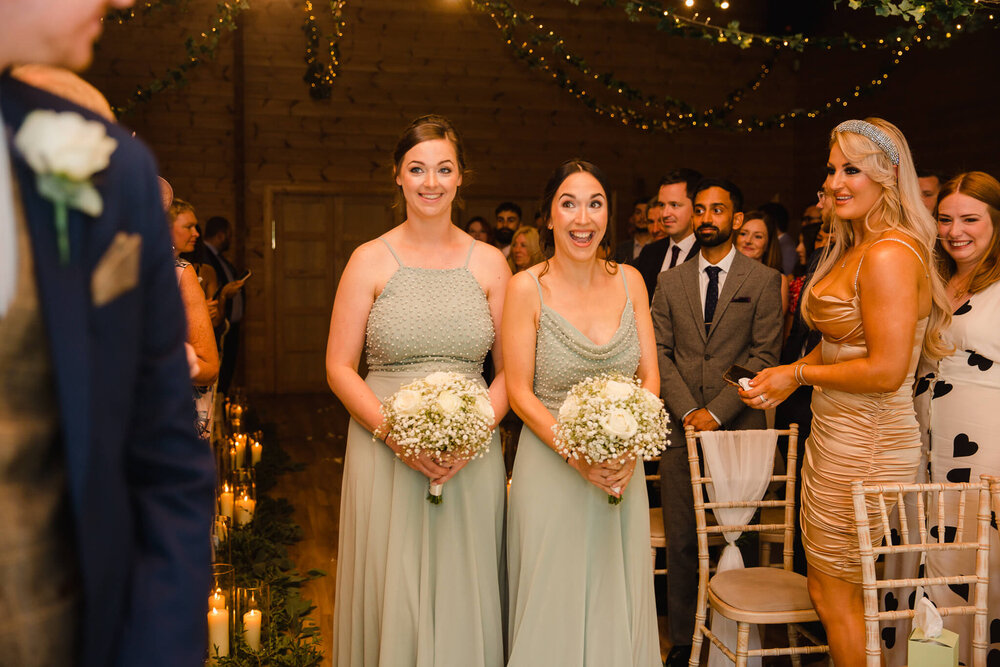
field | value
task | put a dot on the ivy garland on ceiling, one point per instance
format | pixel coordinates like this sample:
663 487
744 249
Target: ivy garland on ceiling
320 77
667 114
931 23
197 51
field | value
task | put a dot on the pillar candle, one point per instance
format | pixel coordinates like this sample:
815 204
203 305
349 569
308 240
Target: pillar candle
241 448
255 452
251 628
217 600
218 631
244 510
226 502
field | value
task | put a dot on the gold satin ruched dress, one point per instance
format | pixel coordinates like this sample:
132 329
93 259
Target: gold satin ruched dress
871 437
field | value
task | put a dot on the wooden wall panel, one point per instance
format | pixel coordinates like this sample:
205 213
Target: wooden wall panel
402 59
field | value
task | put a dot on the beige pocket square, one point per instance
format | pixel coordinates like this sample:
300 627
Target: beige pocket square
118 270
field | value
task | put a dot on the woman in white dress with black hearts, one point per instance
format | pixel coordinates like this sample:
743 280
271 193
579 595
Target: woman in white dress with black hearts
960 400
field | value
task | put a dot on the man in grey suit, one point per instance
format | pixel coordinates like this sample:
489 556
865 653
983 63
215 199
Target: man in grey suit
708 314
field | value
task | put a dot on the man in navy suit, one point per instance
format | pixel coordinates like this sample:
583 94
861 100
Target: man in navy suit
106 494
675 197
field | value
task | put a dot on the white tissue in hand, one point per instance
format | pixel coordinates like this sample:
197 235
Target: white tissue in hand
745 383
927 619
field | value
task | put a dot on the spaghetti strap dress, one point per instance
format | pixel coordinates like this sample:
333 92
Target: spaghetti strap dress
870 437
420 585
581 577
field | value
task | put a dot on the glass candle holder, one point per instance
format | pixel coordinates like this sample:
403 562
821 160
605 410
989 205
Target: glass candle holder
253 609
220 610
244 497
221 546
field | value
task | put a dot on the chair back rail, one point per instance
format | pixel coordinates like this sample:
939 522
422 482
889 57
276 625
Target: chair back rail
873 496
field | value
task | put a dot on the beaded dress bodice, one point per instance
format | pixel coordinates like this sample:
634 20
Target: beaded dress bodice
564 356
429 319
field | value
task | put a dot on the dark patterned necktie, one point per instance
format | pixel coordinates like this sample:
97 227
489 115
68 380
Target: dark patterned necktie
711 294
676 252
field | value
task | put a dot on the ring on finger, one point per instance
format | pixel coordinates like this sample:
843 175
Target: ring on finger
763 398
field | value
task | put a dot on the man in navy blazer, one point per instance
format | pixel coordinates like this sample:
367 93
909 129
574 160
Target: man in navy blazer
121 505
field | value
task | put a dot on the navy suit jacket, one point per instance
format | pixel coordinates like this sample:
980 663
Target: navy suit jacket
141 484
650 261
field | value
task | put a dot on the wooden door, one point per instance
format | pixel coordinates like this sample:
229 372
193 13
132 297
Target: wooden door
314 236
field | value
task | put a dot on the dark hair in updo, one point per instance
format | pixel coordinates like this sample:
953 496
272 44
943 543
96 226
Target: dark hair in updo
426 128
562 172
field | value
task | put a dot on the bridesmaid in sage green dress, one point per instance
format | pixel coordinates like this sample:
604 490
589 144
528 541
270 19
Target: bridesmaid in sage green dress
418 585
581 579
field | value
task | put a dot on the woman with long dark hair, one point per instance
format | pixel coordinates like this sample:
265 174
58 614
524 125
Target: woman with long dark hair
581 580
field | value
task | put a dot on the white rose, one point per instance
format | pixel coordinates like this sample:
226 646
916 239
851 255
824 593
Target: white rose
619 423
64 143
569 409
653 402
406 402
485 408
617 391
448 402
438 378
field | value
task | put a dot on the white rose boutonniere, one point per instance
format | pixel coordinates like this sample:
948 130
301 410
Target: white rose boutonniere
65 150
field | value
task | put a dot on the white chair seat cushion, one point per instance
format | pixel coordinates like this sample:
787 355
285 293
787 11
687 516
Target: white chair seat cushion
762 589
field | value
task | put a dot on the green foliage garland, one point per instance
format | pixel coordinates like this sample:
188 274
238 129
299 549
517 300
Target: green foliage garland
542 49
289 638
197 51
319 76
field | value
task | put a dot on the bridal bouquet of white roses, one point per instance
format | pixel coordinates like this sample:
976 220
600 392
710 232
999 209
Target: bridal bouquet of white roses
447 415
611 418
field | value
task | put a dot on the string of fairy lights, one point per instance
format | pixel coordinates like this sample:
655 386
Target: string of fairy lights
318 75
542 49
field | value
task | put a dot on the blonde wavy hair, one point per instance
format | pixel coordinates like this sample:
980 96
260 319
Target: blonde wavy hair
535 254
898 207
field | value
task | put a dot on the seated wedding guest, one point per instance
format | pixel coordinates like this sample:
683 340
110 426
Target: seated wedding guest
930 186
581 580
418 584
525 249
757 239
709 313
958 403
508 216
638 231
479 229
184 232
106 493
786 243
878 301
674 240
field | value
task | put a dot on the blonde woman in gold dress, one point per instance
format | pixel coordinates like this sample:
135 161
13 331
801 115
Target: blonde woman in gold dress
878 302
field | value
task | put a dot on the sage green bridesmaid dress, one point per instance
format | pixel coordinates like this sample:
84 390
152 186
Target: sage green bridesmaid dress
420 585
581 577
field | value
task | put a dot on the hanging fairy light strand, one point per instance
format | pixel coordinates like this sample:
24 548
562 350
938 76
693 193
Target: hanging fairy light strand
320 76
681 115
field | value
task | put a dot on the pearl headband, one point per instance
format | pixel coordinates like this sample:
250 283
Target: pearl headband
877 136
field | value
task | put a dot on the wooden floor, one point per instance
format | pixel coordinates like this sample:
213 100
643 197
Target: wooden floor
313 430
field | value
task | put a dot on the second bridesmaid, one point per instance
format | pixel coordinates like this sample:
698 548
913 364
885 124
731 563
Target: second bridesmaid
581 579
